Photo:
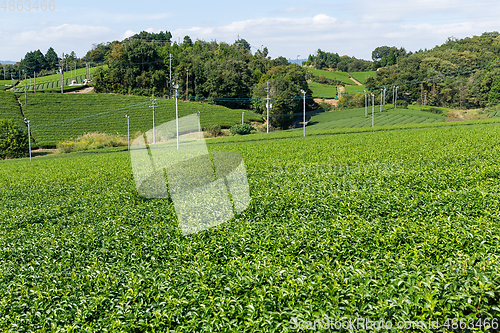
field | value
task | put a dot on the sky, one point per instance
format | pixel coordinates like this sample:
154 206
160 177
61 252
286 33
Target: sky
292 29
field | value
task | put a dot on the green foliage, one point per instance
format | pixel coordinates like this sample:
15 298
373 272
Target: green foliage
352 118
92 141
10 108
325 60
322 90
13 140
214 130
59 117
396 225
241 129
459 73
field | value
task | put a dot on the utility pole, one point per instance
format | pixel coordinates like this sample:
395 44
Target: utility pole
128 130
177 115
25 94
154 105
381 96
425 98
170 68
34 84
242 117
373 110
304 115
396 97
187 84
61 69
29 135
199 125
366 105
267 106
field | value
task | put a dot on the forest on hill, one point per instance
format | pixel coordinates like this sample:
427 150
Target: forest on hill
460 73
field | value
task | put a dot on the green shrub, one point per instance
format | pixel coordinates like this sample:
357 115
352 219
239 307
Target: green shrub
214 130
433 110
241 129
91 141
402 104
13 140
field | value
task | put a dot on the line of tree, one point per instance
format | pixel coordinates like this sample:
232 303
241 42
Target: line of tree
222 73
329 60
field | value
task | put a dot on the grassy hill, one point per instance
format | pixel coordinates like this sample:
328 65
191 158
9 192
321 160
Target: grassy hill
54 81
9 108
56 117
356 118
322 90
341 76
362 76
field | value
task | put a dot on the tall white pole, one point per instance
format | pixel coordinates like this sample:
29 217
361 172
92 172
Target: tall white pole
242 117
153 106
267 106
177 115
366 105
396 97
34 85
381 93
373 110
128 131
199 125
304 115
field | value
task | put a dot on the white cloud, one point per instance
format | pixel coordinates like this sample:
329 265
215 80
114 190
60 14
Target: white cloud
63 38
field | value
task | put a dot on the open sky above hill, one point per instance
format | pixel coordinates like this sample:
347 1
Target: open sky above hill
288 28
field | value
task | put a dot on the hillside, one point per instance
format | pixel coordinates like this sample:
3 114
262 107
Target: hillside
56 117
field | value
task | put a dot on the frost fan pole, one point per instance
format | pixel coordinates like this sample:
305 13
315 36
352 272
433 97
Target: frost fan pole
154 105
128 130
242 118
373 110
29 135
199 125
366 105
304 116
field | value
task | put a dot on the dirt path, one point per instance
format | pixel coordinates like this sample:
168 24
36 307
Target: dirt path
331 101
353 79
82 91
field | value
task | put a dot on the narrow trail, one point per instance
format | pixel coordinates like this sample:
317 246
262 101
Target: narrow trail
355 81
22 115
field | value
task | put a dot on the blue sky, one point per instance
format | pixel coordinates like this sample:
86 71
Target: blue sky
287 28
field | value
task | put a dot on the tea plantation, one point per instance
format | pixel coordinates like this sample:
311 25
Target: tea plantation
59 117
390 225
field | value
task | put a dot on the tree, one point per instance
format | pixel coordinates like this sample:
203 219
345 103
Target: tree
51 59
13 140
187 41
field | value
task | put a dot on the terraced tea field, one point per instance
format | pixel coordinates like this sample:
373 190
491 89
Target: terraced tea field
356 118
55 117
322 90
400 225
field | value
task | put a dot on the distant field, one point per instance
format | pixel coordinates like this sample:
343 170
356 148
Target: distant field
362 76
341 76
323 90
355 89
57 77
56 117
356 118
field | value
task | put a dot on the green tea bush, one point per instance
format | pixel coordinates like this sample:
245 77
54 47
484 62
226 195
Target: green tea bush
13 140
92 141
214 130
241 129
